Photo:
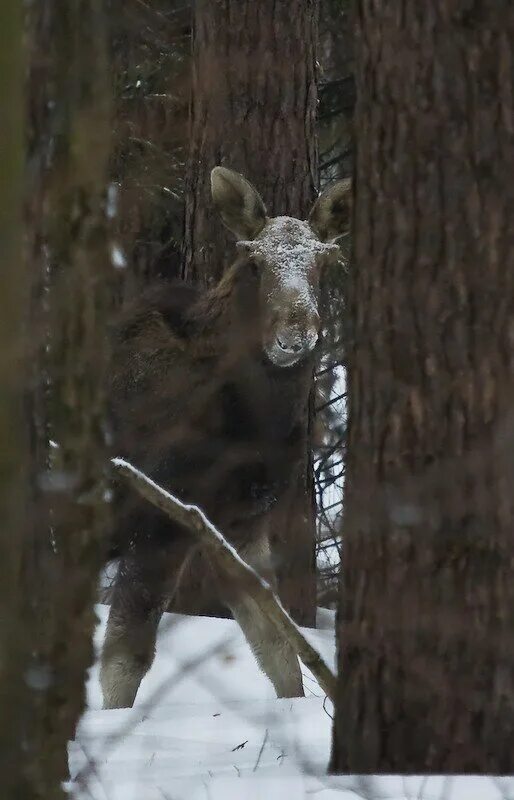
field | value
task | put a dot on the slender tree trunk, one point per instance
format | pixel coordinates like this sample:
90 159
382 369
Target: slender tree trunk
13 449
426 626
68 248
253 109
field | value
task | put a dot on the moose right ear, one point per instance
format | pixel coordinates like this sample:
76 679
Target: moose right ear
239 204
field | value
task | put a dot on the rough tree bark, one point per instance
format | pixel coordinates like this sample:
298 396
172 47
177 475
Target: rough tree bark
68 250
426 658
13 449
253 109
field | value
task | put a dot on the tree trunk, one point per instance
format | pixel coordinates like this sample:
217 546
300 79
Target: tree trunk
253 109
13 448
426 649
68 249
150 65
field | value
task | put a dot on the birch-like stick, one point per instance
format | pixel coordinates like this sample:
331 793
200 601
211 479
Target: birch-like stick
193 518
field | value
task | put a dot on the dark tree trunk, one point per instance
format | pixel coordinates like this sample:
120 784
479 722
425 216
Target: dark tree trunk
253 109
68 251
426 658
150 44
13 444
336 90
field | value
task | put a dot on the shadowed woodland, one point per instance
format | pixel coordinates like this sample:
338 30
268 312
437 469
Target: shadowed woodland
263 251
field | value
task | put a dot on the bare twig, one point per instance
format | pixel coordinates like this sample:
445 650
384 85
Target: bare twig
330 402
263 745
193 518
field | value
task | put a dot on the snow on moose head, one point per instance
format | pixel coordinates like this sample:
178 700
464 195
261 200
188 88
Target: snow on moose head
285 256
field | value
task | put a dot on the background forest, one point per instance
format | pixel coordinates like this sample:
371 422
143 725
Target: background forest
112 115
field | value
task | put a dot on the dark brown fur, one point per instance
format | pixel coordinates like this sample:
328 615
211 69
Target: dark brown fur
199 409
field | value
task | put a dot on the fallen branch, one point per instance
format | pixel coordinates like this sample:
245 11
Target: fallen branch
193 518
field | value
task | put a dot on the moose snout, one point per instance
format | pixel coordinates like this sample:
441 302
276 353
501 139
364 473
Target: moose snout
292 342
292 333
291 345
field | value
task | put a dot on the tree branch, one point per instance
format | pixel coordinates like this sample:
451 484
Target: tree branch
193 518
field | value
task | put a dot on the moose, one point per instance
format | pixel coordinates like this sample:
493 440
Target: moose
209 391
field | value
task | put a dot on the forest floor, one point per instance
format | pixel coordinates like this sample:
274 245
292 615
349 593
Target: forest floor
207 726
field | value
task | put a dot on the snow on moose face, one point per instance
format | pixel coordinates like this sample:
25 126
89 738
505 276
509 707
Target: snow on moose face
288 255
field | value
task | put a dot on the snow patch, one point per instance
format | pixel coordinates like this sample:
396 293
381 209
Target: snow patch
207 726
289 247
118 259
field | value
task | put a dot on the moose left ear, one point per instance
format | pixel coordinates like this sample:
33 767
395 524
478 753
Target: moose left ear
330 215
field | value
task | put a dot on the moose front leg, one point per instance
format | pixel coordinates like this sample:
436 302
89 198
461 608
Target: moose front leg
276 658
127 655
139 598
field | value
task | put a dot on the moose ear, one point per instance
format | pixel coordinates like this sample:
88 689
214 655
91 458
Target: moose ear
239 204
330 215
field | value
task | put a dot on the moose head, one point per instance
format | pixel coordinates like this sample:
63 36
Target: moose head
285 257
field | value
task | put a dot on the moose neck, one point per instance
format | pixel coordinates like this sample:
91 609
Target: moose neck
226 319
229 327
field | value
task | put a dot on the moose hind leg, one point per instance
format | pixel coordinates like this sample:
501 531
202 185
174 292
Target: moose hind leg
276 658
127 655
129 646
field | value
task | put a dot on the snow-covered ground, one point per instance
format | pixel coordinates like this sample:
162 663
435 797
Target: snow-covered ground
207 726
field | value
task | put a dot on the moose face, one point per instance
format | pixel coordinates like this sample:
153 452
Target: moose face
286 256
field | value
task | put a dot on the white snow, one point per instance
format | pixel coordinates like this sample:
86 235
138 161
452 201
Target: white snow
112 200
289 247
207 726
203 697
118 259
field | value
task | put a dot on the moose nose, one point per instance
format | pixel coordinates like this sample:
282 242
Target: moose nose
289 345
